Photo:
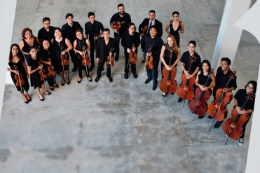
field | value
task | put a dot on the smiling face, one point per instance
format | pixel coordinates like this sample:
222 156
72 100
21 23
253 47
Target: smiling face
106 34
175 17
250 88
170 41
46 24
79 35
45 44
151 16
91 19
224 65
14 50
33 53
69 20
153 32
28 35
191 47
205 67
121 10
57 33
131 29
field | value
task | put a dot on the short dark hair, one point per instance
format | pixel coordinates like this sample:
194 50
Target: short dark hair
106 29
153 27
120 5
207 62
129 25
226 59
58 29
175 12
152 11
254 83
192 42
68 15
45 19
91 14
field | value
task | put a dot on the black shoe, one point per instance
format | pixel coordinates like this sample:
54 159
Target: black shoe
154 86
209 117
62 84
26 102
180 99
68 82
200 117
148 80
172 94
135 75
56 86
74 69
126 75
29 99
97 79
49 93
164 95
41 99
90 80
110 79
52 88
142 61
79 81
91 67
102 69
218 124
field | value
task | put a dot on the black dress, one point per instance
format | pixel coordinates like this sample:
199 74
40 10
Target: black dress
80 45
57 52
35 77
27 47
21 69
176 33
203 80
167 57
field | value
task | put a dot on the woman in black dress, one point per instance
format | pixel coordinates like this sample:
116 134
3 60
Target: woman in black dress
28 42
165 55
61 45
202 76
46 58
176 27
16 63
34 69
78 44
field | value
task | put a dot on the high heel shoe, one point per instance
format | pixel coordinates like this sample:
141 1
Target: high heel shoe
41 99
68 82
90 80
49 93
62 84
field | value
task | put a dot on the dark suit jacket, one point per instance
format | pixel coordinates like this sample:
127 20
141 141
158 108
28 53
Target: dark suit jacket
158 26
102 50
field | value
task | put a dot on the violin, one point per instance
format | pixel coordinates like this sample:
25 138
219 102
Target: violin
132 57
19 78
110 58
168 84
149 59
185 90
50 69
117 25
199 104
85 59
144 28
218 108
233 127
65 62
42 73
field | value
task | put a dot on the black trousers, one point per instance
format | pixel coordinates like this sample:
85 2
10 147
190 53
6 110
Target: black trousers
81 67
101 66
153 73
117 38
50 80
92 50
73 58
127 65
244 126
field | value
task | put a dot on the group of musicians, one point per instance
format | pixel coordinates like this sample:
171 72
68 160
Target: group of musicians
35 57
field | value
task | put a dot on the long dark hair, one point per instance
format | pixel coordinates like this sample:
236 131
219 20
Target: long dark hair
207 62
19 54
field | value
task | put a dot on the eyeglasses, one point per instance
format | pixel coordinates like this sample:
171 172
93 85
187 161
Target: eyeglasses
175 16
131 28
191 47
250 87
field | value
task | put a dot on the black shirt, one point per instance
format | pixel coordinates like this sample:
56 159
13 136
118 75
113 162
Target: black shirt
222 79
69 32
167 56
157 25
93 29
128 40
43 34
185 59
203 79
156 42
102 50
241 98
116 18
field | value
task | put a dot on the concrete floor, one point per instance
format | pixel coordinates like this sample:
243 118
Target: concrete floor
122 126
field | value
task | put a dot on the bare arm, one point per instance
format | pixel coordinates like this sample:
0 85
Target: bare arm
167 27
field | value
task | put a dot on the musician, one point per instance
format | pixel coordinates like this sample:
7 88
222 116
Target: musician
34 70
176 27
202 76
128 39
239 99
68 31
151 21
121 16
58 42
28 42
44 56
222 77
104 44
47 31
156 42
93 30
186 63
78 46
16 60
165 55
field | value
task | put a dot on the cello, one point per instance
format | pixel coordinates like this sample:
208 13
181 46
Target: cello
64 59
233 127
218 108
168 84
19 80
199 104
85 59
185 90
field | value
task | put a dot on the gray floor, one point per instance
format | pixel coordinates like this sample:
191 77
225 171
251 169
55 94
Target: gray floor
122 126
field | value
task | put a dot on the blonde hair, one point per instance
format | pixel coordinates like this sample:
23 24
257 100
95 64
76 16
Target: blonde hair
175 47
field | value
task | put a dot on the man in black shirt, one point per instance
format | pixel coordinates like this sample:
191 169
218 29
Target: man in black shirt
222 78
104 46
93 30
68 31
185 65
47 31
124 19
156 42
130 42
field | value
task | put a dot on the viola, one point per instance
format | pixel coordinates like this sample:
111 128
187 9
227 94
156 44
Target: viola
64 59
185 90
199 104
144 29
110 58
233 127
42 73
50 69
19 79
132 57
85 58
168 83
218 108
149 59
117 25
